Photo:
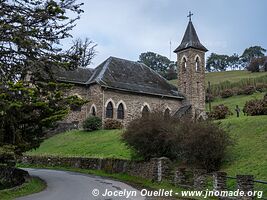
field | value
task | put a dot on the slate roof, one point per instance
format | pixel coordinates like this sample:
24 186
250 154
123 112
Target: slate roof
183 111
123 75
79 75
190 40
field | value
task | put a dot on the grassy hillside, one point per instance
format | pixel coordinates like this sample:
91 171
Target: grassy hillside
239 100
97 144
249 154
232 76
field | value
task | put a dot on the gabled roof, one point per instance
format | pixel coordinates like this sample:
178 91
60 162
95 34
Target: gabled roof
79 75
190 40
125 75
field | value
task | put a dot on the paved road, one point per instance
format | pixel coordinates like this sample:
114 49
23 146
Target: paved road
63 185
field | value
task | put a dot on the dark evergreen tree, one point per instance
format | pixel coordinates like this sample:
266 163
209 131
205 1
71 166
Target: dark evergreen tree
30 99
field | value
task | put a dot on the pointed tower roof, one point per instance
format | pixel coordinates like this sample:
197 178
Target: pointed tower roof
190 39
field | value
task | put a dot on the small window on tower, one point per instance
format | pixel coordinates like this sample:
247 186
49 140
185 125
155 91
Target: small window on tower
198 89
197 64
184 65
184 87
93 111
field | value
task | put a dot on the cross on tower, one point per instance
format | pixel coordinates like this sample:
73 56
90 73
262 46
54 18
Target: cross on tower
189 16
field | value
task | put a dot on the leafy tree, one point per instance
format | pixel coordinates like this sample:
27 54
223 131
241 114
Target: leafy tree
256 64
252 52
234 61
156 62
30 100
84 50
216 62
171 71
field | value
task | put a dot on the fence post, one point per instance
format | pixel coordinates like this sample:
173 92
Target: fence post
199 179
161 168
245 183
180 178
219 181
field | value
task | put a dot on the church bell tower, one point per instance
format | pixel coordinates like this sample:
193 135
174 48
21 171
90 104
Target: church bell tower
191 69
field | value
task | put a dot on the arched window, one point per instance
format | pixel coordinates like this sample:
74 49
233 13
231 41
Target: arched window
93 111
120 111
145 111
184 65
167 114
197 64
109 110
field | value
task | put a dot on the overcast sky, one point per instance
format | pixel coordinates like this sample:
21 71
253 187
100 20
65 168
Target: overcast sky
126 28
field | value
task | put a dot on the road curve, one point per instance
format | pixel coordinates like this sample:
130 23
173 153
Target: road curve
63 185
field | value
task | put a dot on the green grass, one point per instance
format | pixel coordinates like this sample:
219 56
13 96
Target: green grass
33 185
249 154
239 100
96 144
231 76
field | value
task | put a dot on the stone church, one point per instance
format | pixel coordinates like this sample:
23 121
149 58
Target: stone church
123 90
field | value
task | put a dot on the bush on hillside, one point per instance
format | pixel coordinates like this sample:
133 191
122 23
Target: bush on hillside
92 123
220 112
261 87
112 124
248 90
256 107
227 93
238 91
152 136
201 144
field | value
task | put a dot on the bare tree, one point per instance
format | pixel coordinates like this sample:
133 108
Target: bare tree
83 51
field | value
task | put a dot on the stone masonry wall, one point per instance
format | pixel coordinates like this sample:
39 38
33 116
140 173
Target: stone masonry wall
148 169
192 82
157 169
76 116
134 103
94 95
